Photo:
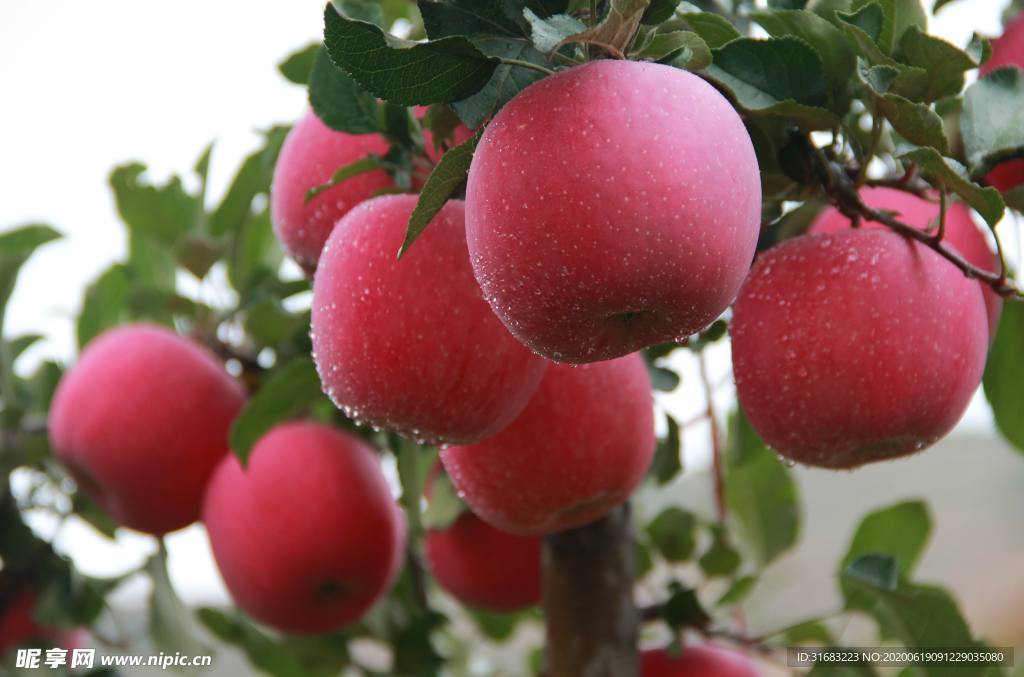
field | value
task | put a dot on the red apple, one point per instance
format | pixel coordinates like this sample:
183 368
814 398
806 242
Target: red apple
579 449
309 157
141 422
610 207
856 346
1007 50
481 566
410 344
962 233
704 660
307 536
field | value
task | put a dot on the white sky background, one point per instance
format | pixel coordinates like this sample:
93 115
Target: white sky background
86 86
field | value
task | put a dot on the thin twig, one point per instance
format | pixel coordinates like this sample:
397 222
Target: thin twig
721 512
527 64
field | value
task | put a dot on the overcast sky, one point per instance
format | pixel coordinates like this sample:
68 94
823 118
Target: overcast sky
87 86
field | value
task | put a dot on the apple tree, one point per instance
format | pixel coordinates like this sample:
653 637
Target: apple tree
508 223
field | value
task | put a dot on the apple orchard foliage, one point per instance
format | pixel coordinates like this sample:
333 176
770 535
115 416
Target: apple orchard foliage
586 180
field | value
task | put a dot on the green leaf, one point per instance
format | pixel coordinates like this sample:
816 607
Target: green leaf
715 30
827 40
261 650
641 559
451 171
363 165
104 304
270 324
737 592
659 11
615 32
162 213
917 122
992 124
721 559
256 254
16 246
897 17
901 531
673 533
953 175
444 505
778 76
252 179
1004 372
16 346
667 457
943 64
402 72
287 392
686 49
339 101
865 29
683 609
170 625
761 492
296 67
506 81
808 632
497 627
551 33
468 18
880 571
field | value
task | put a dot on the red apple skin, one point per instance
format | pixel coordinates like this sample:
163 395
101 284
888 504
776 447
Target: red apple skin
856 346
311 154
962 233
410 344
611 207
697 661
307 537
1007 50
578 450
141 422
484 567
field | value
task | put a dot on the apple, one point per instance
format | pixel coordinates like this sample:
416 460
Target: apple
410 344
141 422
856 346
311 154
962 233
578 450
704 660
484 567
610 207
307 536
1007 50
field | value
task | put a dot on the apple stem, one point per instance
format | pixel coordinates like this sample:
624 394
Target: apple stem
590 617
721 510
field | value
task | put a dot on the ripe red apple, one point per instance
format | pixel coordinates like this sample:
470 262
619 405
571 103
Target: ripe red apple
579 449
307 536
309 157
704 660
610 207
856 346
962 233
1007 50
141 422
410 344
18 627
481 566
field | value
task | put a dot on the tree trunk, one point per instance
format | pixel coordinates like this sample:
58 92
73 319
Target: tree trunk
589 614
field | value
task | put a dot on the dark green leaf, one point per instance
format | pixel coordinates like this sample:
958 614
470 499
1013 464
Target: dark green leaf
361 10
104 304
256 254
19 344
296 67
550 34
261 650
683 609
667 458
16 246
1004 374
449 174
641 559
414 653
354 168
950 173
715 30
778 76
686 49
470 18
498 627
897 17
808 632
338 100
943 63
287 392
917 122
198 254
825 38
615 32
721 559
865 28
992 124
901 531
252 179
659 11
406 73
162 213
877 570
672 533
506 82
270 324
761 492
